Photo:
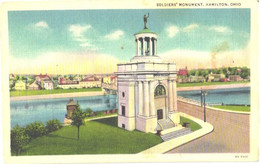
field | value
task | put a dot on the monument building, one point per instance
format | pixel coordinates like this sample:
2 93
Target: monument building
147 94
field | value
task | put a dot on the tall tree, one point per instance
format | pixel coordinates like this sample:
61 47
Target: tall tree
77 119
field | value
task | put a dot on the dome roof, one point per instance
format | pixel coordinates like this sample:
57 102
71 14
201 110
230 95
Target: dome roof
145 30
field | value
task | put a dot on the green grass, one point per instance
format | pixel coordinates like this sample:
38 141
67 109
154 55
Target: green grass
96 137
55 91
234 108
208 83
193 125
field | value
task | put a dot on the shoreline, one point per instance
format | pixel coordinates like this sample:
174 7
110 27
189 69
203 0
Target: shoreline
99 93
211 87
55 96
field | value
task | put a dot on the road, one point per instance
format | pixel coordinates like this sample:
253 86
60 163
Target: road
230 135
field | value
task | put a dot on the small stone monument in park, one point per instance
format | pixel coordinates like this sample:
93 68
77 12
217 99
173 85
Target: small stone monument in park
71 107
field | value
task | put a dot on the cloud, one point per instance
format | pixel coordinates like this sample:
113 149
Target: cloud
190 27
220 29
172 31
41 24
115 35
78 30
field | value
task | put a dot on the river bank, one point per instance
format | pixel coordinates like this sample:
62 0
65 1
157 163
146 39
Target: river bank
211 87
53 96
98 93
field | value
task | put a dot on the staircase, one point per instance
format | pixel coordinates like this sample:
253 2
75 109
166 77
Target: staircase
176 134
166 123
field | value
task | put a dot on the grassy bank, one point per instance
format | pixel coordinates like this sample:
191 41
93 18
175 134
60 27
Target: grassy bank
209 83
193 125
55 91
234 108
100 136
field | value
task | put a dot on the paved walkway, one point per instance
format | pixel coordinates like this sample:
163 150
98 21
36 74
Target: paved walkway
230 135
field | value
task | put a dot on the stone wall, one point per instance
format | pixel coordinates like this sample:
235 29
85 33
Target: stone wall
213 115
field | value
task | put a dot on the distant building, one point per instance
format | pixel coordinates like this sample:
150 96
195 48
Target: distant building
197 79
224 79
44 81
11 76
90 82
183 72
110 80
215 77
235 78
34 86
20 85
47 84
183 79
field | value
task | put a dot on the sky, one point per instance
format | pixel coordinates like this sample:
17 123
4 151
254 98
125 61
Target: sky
94 41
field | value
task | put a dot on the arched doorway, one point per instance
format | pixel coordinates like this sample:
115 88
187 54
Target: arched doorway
160 101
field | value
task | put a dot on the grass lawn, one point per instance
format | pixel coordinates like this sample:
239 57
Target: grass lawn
234 108
208 83
55 91
193 125
100 136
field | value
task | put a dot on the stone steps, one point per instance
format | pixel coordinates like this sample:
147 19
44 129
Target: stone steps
176 134
166 123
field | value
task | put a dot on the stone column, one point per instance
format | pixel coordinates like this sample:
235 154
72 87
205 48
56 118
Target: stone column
143 48
146 99
174 96
152 107
150 47
137 47
155 51
140 98
170 93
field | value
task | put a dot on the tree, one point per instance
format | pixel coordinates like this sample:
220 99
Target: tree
53 125
77 119
18 139
88 111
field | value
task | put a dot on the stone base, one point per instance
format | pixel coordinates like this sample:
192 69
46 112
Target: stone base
146 124
127 123
67 121
175 117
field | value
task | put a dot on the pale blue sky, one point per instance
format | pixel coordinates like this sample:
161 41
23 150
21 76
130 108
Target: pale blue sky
111 32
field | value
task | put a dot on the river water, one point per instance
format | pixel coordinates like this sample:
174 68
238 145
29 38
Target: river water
25 112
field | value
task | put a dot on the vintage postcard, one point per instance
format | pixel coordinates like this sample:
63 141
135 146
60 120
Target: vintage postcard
130 81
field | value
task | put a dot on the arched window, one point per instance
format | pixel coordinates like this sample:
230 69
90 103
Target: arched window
159 91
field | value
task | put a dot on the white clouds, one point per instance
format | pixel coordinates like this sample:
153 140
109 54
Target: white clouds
86 44
172 31
78 30
190 27
41 24
115 35
220 29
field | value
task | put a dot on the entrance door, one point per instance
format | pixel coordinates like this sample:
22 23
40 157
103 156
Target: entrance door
159 114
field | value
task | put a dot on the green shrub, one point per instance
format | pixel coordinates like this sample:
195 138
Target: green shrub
34 130
53 125
18 139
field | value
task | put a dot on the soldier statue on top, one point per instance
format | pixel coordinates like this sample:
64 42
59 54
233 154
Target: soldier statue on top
145 20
